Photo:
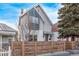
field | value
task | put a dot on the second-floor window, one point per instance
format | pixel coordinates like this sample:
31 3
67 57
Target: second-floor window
35 23
35 20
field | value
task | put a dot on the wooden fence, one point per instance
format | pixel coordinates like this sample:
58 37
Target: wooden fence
35 48
70 45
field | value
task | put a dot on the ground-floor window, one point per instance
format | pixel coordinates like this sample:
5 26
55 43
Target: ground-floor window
32 38
35 38
6 42
5 46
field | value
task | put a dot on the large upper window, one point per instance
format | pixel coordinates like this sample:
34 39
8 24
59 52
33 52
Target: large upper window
35 20
35 23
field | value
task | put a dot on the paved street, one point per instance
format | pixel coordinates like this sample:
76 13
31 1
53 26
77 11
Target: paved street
63 53
75 55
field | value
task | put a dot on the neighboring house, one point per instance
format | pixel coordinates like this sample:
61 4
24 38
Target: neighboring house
34 25
7 34
55 32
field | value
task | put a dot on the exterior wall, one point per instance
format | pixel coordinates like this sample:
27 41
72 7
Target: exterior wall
55 36
23 27
40 32
47 26
40 36
0 42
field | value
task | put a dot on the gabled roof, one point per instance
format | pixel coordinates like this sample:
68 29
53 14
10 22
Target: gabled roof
4 27
38 12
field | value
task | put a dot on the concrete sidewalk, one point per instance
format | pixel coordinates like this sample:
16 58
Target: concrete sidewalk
62 53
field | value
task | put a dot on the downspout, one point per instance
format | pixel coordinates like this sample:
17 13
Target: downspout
43 31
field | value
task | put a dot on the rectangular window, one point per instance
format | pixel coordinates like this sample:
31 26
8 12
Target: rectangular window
30 38
35 23
33 38
35 20
4 39
35 26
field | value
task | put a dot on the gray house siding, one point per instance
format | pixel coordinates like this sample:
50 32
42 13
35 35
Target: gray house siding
47 26
23 27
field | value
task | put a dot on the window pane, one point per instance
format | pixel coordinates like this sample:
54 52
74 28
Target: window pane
30 38
35 20
35 38
4 39
35 26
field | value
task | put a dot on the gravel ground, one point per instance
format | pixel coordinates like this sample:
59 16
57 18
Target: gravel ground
63 53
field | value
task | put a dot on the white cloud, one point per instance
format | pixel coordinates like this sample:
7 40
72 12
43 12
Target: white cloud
10 17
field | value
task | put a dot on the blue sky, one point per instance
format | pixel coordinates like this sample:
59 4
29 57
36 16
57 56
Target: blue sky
9 12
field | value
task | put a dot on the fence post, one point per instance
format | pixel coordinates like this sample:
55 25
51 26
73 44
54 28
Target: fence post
35 53
12 48
9 52
71 44
64 45
51 46
22 44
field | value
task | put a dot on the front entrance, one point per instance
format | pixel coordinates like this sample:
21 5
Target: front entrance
46 37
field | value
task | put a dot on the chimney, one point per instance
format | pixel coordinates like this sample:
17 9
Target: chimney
22 11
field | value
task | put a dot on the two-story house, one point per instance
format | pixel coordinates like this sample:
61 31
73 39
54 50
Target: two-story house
34 25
